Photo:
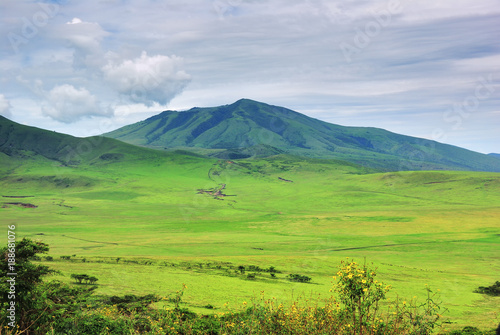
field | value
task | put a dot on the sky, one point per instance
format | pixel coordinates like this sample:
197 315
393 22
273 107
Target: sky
425 68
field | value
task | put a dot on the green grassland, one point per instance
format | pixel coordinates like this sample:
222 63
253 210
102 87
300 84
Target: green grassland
175 218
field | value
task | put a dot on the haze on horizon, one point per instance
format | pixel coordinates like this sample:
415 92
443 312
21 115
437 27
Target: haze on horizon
427 69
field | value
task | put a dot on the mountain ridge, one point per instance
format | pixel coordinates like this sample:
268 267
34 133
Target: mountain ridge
247 123
18 142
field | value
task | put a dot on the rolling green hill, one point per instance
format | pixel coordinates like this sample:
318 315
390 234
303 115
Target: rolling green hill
145 221
245 124
19 144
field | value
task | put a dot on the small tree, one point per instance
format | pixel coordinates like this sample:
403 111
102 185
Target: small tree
79 277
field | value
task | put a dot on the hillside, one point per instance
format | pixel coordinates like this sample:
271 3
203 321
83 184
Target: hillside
494 155
249 124
19 143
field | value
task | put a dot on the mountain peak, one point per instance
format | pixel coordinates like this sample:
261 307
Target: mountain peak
246 100
248 123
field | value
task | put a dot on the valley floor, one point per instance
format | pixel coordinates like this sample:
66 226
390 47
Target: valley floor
145 228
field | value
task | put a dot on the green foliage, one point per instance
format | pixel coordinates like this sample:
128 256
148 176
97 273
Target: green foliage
360 293
132 303
26 293
493 290
177 298
298 278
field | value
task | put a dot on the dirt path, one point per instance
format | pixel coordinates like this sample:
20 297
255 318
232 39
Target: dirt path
392 245
81 239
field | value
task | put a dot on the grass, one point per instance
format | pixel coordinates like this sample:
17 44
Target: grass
418 228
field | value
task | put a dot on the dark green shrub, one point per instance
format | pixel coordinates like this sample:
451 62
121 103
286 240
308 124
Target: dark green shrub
467 331
493 290
298 278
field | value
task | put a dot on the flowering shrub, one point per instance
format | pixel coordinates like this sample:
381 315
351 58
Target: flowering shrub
361 296
360 293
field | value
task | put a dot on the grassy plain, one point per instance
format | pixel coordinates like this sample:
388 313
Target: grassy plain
437 228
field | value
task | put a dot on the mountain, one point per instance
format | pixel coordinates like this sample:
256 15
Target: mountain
19 142
494 155
230 129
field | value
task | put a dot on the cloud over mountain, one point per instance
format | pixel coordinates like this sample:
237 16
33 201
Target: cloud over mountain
68 104
148 79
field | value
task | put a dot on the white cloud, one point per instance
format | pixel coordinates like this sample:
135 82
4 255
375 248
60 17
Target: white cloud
84 39
75 21
148 79
84 35
68 104
5 106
